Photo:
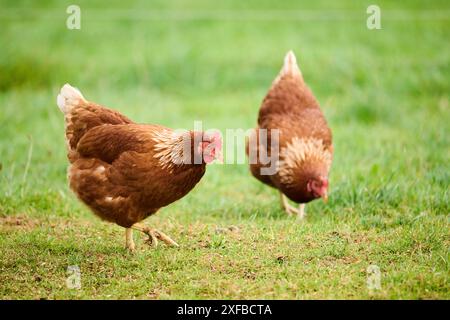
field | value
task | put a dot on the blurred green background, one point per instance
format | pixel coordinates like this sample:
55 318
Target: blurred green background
384 93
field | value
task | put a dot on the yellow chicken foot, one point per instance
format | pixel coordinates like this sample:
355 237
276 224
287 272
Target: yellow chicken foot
152 239
129 243
154 235
287 207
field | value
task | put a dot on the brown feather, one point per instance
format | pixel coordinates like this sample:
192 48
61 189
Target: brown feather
305 139
114 168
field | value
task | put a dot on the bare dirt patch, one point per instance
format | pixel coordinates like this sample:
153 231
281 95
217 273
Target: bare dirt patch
19 221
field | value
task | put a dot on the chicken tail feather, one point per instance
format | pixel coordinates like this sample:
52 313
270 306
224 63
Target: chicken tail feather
290 68
68 97
290 65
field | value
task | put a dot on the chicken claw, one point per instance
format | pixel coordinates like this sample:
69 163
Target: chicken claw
154 235
162 236
152 238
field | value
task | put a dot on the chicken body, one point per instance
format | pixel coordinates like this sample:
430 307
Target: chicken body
125 171
305 140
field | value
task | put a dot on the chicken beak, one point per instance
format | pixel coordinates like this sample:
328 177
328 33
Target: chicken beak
325 197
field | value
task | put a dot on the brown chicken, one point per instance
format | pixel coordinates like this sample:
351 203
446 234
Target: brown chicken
304 150
123 171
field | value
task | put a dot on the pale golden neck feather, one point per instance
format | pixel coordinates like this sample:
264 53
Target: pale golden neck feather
172 148
300 152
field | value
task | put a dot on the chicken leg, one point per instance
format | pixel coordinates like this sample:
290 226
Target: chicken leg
129 243
154 235
300 212
286 206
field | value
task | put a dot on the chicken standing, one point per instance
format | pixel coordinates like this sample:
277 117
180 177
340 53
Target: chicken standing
124 171
305 141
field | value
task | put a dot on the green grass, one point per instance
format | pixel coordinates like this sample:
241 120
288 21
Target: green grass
385 94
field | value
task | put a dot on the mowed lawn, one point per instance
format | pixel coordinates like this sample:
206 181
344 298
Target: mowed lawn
385 94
